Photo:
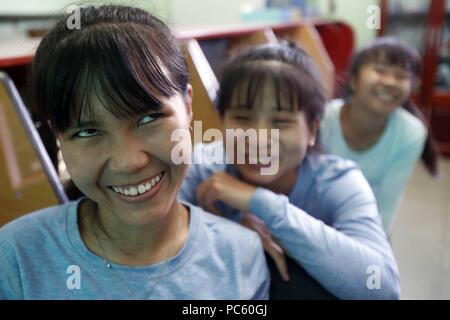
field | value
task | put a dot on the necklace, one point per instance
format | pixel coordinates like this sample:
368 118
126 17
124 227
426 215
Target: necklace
110 267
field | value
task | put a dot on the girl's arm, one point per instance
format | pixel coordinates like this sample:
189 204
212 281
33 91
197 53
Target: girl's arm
201 168
352 259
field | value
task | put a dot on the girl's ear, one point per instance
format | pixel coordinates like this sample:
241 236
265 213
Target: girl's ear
415 83
313 129
352 83
188 100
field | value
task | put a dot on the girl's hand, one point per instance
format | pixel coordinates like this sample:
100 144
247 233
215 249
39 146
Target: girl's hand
228 189
273 249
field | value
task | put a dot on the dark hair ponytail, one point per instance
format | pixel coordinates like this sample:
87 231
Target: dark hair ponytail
430 153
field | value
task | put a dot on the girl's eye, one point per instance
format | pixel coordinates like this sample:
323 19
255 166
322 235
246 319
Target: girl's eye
149 118
402 76
280 124
86 133
380 69
281 121
241 118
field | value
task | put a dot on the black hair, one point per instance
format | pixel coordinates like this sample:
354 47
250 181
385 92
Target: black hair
291 70
393 52
123 56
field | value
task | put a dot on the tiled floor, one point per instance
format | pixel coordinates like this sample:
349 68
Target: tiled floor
421 236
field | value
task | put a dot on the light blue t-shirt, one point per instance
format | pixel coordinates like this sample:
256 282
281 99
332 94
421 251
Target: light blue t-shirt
329 223
388 164
42 255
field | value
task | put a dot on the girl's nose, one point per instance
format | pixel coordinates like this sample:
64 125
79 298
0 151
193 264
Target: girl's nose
262 123
128 156
389 79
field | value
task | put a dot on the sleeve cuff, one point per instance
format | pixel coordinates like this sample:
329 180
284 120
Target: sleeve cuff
265 204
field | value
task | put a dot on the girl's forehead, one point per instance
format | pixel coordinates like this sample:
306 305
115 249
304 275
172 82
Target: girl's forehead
96 114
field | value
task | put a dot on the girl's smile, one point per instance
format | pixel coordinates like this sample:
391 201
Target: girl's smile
141 191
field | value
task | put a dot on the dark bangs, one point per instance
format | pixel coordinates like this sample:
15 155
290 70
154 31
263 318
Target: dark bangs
388 51
247 82
127 66
295 80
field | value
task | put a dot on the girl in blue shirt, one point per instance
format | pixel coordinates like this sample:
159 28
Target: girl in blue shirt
316 214
377 125
114 91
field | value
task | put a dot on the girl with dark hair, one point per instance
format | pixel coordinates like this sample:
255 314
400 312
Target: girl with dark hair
316 214
113 92
377 125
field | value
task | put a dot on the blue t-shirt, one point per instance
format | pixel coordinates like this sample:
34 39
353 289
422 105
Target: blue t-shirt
389 163
329 223
42 256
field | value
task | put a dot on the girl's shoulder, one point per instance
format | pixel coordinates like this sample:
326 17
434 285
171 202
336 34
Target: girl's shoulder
223 231
34 227
409 128
335 180
330 126
324 166
333 108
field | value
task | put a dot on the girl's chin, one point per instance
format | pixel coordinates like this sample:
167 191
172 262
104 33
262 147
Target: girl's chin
255 177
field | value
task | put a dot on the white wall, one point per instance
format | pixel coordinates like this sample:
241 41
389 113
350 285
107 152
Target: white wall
46 7
18 29
206 13
354 13
185 14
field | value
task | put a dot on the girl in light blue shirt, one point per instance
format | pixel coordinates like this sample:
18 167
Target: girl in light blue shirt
377 125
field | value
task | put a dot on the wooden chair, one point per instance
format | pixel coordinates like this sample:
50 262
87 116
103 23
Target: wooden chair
28 180
206 51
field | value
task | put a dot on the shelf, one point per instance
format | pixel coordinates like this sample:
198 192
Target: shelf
441 100
17 52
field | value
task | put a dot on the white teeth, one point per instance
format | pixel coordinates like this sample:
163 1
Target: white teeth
385 96
133 191
140 189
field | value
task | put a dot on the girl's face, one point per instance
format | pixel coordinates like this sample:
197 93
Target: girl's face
294 135
381 87
124 165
